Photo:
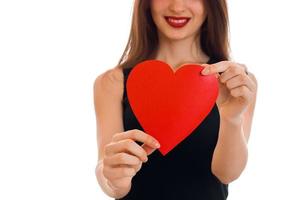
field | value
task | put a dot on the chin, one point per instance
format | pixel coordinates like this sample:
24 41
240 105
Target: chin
172 34
176 36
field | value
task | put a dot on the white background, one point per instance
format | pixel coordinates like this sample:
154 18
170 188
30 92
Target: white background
50 54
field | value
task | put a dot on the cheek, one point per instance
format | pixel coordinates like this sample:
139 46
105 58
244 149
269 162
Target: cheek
158 7
198 8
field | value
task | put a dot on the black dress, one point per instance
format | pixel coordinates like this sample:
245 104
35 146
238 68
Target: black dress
185 172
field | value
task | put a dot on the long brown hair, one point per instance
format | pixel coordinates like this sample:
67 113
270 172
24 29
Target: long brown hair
143 39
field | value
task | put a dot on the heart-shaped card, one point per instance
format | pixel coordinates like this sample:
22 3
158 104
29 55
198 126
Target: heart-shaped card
170 105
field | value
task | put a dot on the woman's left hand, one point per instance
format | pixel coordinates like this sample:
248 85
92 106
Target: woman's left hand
238 87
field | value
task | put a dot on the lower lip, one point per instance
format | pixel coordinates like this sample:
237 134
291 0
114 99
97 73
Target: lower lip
177 25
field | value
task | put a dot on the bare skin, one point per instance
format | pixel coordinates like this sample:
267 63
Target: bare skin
120 158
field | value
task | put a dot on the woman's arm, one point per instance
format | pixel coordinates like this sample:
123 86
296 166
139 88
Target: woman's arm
120 157
108 93
231 153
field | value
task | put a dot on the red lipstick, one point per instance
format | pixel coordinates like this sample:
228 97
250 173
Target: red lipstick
177 22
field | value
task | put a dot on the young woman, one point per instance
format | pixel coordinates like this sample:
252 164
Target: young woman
215 154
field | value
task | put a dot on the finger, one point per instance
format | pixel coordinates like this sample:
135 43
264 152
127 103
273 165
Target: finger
118 172
216 67
119 183
230 73
241 91
127 146
149 150
137 135
137 167
253 80
240 80
121 159
244 67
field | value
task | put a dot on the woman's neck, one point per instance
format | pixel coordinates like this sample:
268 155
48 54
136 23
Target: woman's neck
178 52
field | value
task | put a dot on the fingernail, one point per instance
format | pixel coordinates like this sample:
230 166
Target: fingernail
157 144
145 159
205 70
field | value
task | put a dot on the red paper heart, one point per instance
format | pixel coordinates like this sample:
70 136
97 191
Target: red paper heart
170 105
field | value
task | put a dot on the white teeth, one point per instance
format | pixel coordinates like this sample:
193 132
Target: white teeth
178 21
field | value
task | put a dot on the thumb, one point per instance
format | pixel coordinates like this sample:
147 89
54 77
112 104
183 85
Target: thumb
205 65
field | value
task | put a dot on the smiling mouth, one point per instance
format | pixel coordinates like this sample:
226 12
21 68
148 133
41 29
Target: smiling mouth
177 22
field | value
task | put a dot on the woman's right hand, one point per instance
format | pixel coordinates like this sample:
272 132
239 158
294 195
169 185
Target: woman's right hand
123 157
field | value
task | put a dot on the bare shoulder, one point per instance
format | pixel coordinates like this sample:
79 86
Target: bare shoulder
110 82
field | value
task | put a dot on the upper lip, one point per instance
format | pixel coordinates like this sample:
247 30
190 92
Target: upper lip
178 18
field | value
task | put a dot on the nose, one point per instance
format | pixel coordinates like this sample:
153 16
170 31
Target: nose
177 6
